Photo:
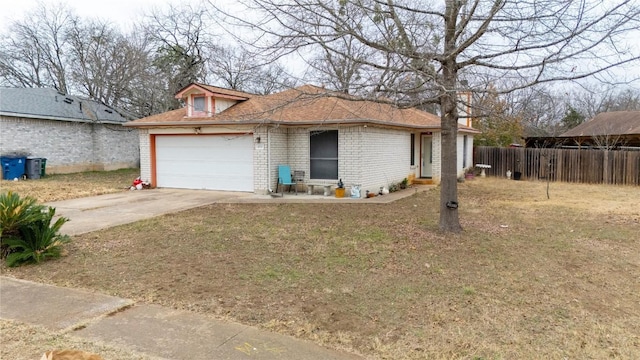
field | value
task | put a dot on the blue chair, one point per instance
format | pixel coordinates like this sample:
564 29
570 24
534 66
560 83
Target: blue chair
284 177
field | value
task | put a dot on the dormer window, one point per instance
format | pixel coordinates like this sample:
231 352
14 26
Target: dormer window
198 103
205 101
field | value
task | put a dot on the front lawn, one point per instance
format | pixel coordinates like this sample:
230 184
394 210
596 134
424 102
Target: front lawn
529 277
70 186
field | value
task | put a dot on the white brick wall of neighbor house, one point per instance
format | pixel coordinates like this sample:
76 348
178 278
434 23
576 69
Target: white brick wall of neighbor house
71 146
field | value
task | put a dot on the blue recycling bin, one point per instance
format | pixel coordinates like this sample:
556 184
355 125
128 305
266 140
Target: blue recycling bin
12 167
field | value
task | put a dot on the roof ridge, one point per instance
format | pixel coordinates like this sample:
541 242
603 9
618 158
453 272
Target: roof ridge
222 89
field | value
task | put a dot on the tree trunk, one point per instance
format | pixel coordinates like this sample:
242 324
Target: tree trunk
449 220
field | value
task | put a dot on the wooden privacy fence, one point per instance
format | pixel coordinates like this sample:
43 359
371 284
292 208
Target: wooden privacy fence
569 165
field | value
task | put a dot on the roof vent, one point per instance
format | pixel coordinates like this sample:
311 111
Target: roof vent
68 100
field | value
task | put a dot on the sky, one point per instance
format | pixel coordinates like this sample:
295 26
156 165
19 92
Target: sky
125 12
120 12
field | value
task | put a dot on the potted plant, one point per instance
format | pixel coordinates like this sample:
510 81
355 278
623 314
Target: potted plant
340 189
468 175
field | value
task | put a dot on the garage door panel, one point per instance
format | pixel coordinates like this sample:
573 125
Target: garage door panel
205 162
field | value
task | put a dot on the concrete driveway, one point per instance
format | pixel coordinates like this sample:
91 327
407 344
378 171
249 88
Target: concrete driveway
104 211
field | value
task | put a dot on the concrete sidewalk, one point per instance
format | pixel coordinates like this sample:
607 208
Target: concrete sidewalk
153 330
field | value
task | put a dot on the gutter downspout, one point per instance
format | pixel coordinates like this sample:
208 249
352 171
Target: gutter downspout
269 161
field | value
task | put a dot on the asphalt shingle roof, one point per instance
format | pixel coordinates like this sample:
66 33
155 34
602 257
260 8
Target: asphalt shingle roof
46 103
305 105
224 91
608 123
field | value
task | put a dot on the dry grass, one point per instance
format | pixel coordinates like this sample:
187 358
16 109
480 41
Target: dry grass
25 342
70 186
529 277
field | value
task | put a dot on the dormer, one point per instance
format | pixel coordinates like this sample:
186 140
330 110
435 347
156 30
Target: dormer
206 101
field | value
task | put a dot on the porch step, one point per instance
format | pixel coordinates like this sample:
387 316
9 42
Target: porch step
419 181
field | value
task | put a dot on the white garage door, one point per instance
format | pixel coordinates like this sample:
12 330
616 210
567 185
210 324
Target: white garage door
214 162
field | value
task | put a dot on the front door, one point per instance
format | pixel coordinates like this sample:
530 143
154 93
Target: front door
426 168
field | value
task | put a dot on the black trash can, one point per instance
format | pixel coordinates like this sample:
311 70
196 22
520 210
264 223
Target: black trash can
33 168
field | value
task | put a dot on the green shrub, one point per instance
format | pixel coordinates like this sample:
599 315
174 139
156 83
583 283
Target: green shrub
38 240
14 213
404 183
26 232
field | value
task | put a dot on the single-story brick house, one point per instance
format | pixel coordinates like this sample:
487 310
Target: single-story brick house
72 133
230 140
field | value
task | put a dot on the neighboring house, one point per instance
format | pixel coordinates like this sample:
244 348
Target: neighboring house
72 133
230 140
608 130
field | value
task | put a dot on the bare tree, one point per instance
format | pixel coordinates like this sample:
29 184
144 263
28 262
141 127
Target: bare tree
51 47
34 53
182 40
420 49
237 68
549 111
270 78
591 100
337 70
233 68
625 100
105 63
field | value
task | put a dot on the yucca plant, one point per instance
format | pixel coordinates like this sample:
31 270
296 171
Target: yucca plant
14 213
37 241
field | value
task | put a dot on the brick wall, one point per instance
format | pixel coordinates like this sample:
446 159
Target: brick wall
351 164
117 147
279 153
145 155
298 150
71 146
260 161
380 158
370 157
